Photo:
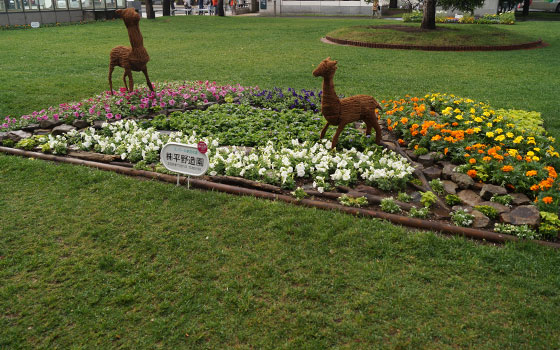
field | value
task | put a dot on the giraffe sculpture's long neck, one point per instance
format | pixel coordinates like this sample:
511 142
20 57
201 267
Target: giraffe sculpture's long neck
330 103
135 37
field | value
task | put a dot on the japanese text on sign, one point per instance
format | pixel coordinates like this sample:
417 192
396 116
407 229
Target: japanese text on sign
184 159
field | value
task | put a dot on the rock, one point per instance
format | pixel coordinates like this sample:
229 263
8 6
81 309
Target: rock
477 187
18 135
411 154
94 157
42 131
49 123
432 172
98 124
469 197
522 215
489 190
448 170
62 129
464 181
480 220
165 132
449 186
520 199
80 123
500 208
30 127
389 145
427 159
466 208
369 190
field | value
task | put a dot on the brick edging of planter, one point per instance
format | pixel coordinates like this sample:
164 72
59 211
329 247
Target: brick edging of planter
529 45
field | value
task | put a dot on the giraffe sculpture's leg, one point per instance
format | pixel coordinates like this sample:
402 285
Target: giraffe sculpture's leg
324 130
130 80
124 80
336 134
111 69
145 71
371 121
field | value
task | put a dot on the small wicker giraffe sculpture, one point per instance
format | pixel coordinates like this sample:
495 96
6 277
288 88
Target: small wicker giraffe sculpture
132 58
350 109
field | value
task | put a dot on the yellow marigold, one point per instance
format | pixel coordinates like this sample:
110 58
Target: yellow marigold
489 134
476 130
530 153
478 120
535 159
536 149
507 168
499 131
459 117
500 138
489 125
510 135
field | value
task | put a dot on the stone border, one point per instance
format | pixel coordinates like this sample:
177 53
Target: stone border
529 45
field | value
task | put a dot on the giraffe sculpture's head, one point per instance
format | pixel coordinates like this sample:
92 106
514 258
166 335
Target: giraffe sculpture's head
326 68
129 16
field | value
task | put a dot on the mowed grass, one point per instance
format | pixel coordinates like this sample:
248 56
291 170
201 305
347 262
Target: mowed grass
49 66
90 259
444 35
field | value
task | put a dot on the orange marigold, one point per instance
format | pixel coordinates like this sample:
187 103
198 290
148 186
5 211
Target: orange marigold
472 161
472 173
531 173
547 200
507 168
534 187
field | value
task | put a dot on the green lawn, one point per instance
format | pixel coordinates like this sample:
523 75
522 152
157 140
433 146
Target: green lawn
90 259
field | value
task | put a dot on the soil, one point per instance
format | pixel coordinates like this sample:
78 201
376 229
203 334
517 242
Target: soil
408 29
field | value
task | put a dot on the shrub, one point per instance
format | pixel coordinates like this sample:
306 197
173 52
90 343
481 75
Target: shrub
522 231
506 199
462 218
404 197
428 199
487 210
353 201
437 186
421 213
389 205
452 199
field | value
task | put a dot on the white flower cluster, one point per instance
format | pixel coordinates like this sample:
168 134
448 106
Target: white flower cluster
129 141
315 160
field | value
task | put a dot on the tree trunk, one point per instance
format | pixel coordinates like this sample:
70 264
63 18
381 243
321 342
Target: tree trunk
150 14
526 5
220 10
393 4
429 19
166 7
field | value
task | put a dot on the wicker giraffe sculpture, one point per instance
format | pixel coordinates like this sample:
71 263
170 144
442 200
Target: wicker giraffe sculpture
347 110
132 58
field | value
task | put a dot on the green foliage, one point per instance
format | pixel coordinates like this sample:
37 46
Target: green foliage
505 199
420 151
299 193
8 143
353 201
461 5
487 210
550 225
414 16
389 205
416 182
421 213
27 144
524 121
452 199
244 125
521 231
428 199
437 186
404 197
462 218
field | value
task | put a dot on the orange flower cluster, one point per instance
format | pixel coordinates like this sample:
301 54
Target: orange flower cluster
507 168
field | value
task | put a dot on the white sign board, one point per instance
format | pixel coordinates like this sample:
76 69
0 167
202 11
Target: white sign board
35 24
183 159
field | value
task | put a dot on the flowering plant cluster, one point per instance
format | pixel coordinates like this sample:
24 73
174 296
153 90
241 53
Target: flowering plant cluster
442 17
140 102
489 145
277 99
244 125
284 165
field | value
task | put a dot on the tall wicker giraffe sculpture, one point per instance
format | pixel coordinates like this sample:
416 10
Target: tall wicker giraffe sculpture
347 110
132 58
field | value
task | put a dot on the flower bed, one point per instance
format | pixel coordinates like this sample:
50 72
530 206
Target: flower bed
265 137
441 17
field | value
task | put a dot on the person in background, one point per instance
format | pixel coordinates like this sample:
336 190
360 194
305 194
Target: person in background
376 9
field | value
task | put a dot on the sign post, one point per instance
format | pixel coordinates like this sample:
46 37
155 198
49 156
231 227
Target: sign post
185 159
